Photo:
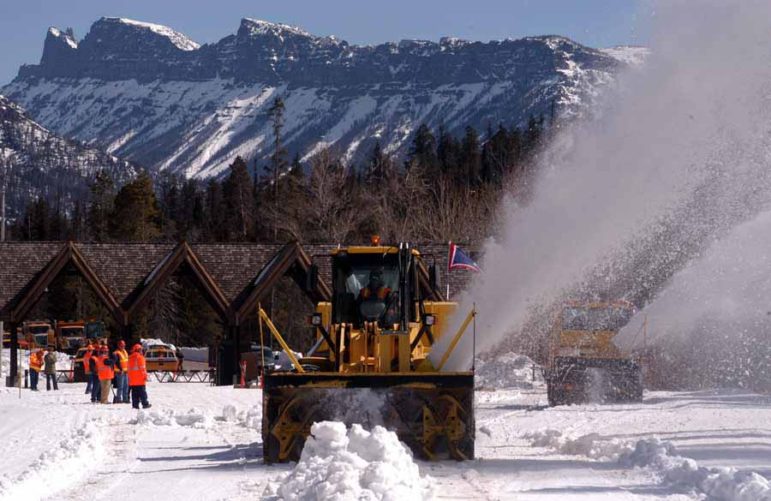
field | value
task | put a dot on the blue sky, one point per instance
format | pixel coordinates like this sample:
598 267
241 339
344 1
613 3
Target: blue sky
598 23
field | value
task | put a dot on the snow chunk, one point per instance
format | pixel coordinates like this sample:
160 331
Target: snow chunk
592 445
340 463
178 39
193 418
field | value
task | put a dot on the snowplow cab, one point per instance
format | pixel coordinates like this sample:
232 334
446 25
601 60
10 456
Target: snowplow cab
369 361
584 363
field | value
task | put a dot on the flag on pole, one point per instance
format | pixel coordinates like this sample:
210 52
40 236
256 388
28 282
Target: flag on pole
459 260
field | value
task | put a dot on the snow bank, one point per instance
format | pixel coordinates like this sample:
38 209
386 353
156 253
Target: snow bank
63 361
193 418
720 484
509 370
58 467
592 445
340 463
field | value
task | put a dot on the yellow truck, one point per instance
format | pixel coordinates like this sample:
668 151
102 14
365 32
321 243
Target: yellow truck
584 363
369 362
70 336
38 334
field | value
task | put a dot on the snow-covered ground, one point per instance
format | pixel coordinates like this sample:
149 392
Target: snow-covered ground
203 442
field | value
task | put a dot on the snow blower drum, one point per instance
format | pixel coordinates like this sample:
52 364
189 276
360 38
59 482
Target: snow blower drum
431 413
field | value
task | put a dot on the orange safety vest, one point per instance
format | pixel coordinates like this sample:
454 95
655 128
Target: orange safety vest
104 371
381 293
86 357
35 362
123 356
137 372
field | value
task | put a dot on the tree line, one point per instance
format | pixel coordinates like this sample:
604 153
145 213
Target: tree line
447 188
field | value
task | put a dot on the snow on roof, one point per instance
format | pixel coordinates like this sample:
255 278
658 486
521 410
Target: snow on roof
178 39
260 27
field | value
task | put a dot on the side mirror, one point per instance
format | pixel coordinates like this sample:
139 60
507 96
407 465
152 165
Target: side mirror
313 278
433 279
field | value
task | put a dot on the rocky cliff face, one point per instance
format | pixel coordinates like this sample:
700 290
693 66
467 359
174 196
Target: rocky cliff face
150 94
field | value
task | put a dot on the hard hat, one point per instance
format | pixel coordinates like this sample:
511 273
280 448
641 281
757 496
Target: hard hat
121 344
136 347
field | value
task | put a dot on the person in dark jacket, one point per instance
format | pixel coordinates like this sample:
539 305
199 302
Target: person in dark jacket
50 369
96 388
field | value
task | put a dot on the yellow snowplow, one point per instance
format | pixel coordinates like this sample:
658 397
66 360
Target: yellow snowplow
584 363
369 362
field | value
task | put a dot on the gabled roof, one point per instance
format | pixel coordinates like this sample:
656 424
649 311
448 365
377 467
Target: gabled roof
34 289
232 277
290 260
181 255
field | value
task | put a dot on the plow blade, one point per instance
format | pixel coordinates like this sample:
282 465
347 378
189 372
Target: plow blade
431 413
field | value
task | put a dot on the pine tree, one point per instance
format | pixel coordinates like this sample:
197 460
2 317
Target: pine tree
423 149
239 202
471 157
102 194
135 214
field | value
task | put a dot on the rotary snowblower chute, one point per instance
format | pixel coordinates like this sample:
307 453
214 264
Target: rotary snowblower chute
369 363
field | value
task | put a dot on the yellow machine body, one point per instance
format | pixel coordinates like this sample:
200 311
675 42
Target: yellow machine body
370 345
584 362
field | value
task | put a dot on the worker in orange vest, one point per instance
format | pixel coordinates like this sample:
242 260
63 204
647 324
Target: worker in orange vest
105 372
35 366
121 374
137 377
87 367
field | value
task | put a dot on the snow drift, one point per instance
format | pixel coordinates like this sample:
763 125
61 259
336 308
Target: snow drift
57 468
339 463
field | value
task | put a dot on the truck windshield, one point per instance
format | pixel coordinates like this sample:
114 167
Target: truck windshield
595 319
39 329
360 278
72 331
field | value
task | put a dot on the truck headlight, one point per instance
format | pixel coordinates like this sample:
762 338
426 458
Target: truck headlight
429 320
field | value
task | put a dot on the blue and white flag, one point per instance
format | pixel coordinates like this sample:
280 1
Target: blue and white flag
459 260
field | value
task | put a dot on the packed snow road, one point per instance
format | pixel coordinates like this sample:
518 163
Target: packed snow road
202 442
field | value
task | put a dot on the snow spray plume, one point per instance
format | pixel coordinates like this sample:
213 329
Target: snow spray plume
677 157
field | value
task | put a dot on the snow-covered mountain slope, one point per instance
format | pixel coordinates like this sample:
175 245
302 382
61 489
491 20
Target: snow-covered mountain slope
36 162
150 94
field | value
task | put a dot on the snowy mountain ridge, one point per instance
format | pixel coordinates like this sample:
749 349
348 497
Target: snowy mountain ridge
150 94
36 162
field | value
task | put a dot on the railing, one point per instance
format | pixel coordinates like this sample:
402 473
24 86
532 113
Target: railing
187 376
